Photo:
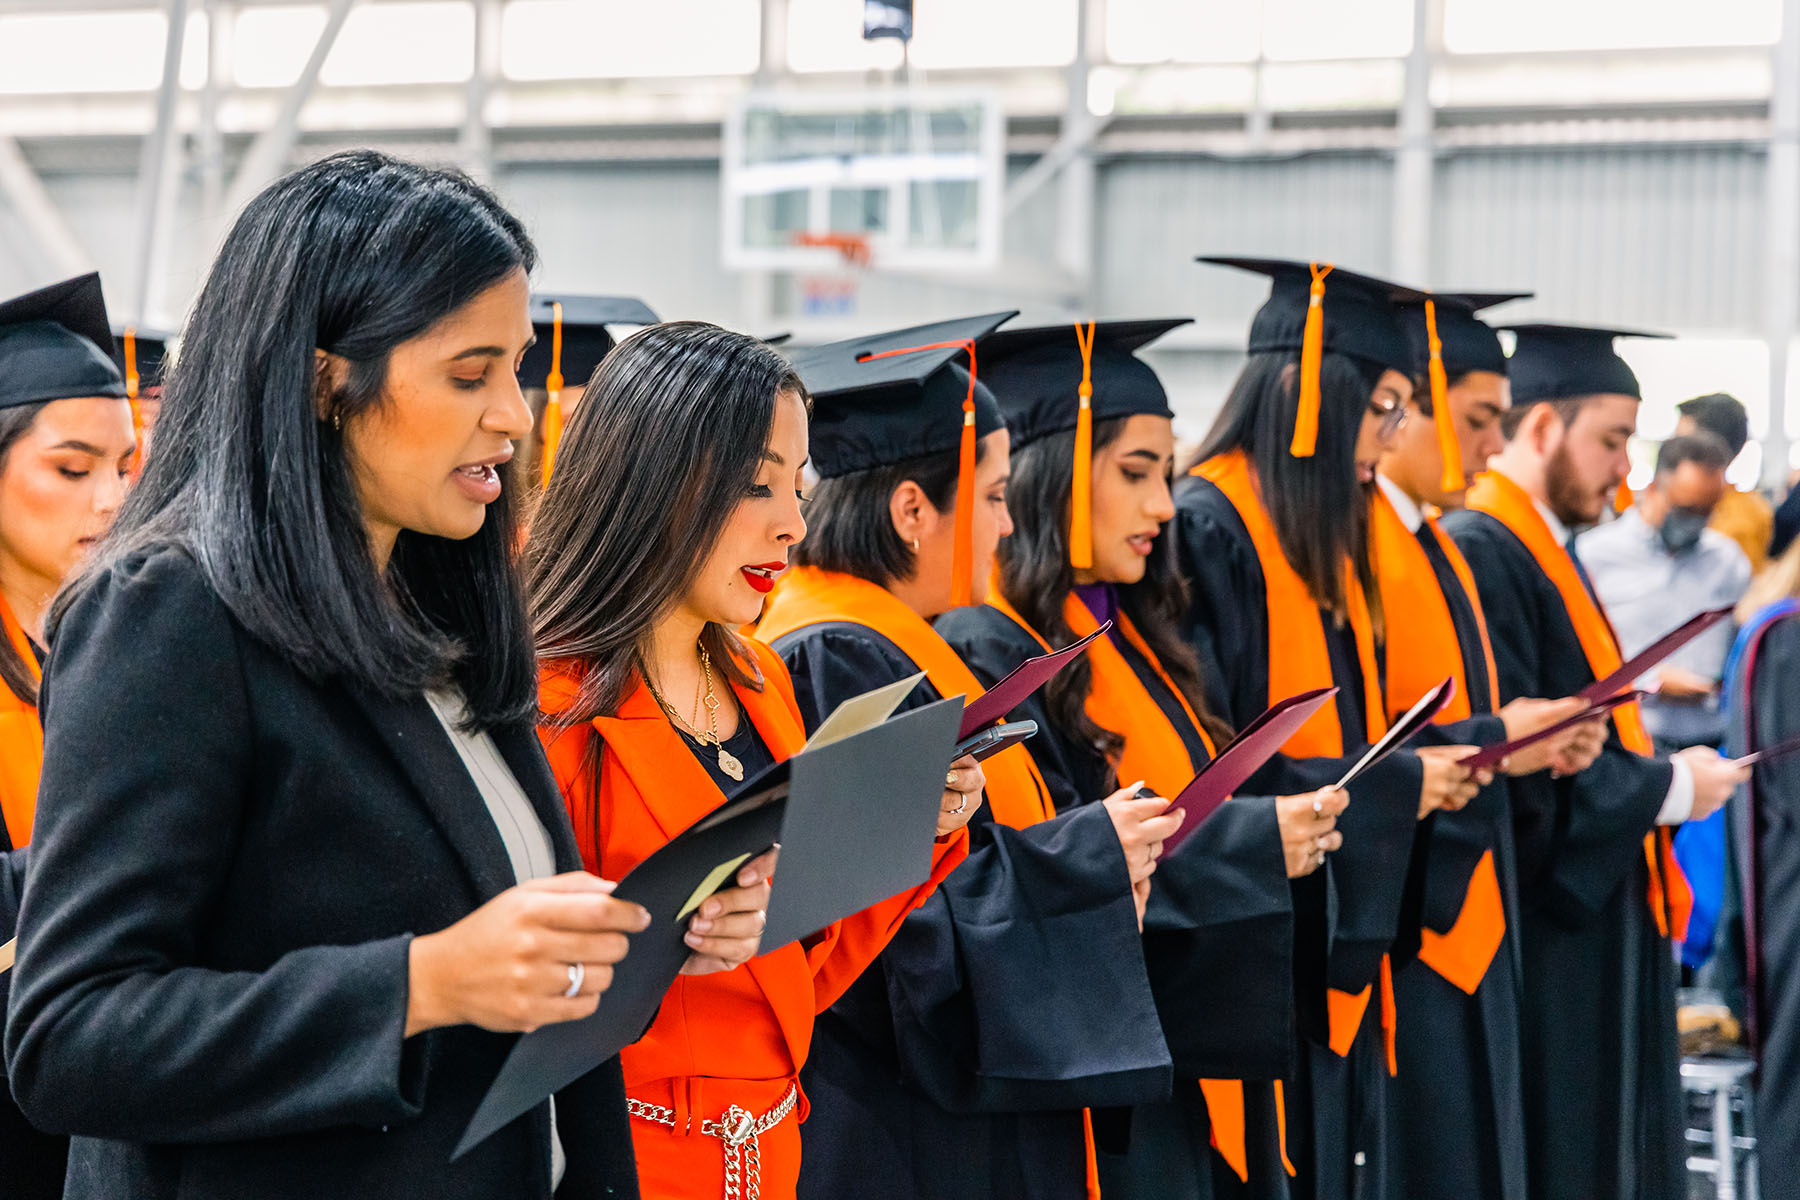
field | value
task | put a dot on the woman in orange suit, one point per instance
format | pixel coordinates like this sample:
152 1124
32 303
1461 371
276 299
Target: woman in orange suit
66 450
674 506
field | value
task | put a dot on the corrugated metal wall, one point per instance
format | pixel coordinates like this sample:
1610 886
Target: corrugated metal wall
1658 237
1157 214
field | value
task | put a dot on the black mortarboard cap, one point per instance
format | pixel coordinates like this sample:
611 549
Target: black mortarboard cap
573 335
894 396
143 352
1448 338
55 344
586 335
1036 374
872 407
1469 343
1555 362
1056 378
1317 308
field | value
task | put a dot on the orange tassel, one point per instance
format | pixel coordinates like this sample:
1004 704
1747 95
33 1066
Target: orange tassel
1622 499
962 564
132 382
553 414
1312 357
1081 516
1453 479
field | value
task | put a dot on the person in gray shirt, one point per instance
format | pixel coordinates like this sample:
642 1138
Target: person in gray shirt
1657 566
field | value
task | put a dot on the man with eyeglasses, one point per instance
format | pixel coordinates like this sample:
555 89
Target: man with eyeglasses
1600 893
1660 564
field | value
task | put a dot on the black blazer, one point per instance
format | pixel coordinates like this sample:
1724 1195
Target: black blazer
228 866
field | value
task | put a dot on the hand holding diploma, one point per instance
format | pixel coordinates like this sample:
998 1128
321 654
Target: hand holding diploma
536 954
1568 752
726 930
963 784
1448 785
1142 822
1309 828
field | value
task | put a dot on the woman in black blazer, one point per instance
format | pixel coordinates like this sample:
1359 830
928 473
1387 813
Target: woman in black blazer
284 910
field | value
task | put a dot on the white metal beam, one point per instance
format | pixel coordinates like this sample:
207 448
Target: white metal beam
1782 200
268 154
153 190
1415 158
50 231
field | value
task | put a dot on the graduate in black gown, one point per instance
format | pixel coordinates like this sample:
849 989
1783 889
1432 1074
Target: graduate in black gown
66 451
1455 1117
960 1064
1218 932
1600 895
1272 537
1759 947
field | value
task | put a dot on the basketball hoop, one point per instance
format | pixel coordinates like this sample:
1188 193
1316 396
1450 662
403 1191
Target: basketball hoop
854 247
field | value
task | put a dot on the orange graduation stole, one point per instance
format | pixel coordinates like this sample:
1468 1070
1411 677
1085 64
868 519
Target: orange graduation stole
1415 604
1300 661
21 741
1670 901
1016 793
1155 752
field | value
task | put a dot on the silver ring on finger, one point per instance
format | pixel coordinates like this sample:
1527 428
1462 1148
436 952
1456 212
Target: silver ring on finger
1318 806
961 806
577 975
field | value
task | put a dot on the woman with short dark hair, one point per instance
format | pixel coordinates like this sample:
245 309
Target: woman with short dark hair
968 1044
675 503
300 868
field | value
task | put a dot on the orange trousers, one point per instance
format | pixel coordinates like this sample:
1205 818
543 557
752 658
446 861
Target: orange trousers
684 1164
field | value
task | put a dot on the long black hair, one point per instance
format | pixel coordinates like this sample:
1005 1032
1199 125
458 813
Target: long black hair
353 255
1035 578
850 528
15 672
1318 506
664 446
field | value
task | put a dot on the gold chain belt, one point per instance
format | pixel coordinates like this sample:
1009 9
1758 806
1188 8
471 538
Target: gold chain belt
738 1129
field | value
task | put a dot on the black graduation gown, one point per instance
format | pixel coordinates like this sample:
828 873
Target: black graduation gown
1773 794
1455 1117
1601 1068
32 1163
1218 935
958 1065
1363 904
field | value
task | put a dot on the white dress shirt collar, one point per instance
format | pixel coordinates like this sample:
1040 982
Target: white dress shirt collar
1411 515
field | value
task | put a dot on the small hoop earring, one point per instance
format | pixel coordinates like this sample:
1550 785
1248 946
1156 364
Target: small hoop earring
915 545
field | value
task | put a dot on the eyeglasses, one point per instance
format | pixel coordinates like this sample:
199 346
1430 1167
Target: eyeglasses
1392 413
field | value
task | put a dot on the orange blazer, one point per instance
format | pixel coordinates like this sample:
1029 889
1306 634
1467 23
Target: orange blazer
754 1023
21 743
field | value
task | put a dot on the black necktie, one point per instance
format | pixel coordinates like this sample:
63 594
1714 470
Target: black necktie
1581 570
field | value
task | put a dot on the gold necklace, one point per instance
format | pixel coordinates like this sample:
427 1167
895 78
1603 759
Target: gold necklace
728 762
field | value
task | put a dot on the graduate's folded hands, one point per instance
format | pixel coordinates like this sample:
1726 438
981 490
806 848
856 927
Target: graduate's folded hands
726 930
1448 785
534 955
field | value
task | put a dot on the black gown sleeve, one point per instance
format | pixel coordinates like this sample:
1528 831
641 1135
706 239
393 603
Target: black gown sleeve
1579 838
1218 929
973 995
1348 915
1459 839
109 1026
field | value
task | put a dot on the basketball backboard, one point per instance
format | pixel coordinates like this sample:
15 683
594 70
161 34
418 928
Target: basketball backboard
915 175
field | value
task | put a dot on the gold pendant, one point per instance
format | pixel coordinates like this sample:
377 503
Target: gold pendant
729 764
